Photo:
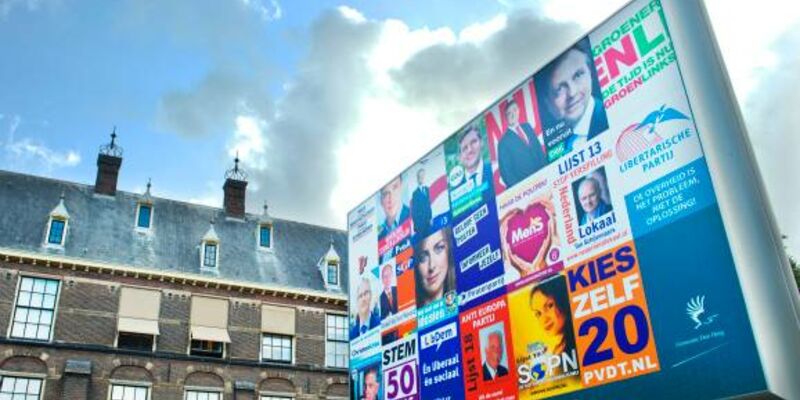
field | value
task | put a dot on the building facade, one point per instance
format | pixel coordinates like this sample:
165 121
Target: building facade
112 295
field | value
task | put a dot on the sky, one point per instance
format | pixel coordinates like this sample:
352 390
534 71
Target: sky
312 95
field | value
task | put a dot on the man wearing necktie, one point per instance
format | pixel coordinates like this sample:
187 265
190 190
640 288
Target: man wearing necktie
389 293
470 156
421 212
519 152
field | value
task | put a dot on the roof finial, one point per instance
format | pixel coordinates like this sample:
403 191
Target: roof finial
148 185
112 149
236 173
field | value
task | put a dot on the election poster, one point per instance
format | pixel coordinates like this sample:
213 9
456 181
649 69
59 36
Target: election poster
469 169
545 348
430 203
567 242
440 361
488 365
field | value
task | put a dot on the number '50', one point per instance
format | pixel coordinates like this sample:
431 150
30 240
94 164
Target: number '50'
594 354
402 386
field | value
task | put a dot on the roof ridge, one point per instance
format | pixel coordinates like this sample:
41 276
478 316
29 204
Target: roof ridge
154 197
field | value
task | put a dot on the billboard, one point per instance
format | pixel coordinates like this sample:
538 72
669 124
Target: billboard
571 240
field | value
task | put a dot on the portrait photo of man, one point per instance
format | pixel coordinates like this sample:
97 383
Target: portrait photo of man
591 196
389 294
519 152
372 384
366 316
394 211
470 156
571 107
493 350
421 211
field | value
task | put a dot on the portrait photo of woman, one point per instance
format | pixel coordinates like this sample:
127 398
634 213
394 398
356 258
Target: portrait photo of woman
435 270
549 304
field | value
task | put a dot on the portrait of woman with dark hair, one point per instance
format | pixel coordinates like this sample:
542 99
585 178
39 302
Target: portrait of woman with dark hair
434 273
549 303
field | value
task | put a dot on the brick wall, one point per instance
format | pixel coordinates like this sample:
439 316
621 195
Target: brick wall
86 315
87 312
174 322
244 326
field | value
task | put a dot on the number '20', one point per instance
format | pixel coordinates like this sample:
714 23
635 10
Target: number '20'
594 354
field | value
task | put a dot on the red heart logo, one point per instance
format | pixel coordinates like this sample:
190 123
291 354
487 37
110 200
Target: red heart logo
527 231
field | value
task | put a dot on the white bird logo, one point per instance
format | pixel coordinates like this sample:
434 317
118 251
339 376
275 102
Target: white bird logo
696 308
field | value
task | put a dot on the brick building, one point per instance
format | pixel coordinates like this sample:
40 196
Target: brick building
106 294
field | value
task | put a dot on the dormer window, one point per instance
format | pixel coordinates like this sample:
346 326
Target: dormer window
143 215
264 233
329 268
209 255
265 236
57 225
333 273
209 249
144 210
56 234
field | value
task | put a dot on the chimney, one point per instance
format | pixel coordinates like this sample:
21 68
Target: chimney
235 188
109 160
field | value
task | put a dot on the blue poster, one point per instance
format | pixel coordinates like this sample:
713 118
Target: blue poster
440 361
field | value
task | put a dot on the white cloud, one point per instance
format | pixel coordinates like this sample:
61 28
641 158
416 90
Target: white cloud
352 14
249 142
20 152
268 11
27 150
587 13
423 84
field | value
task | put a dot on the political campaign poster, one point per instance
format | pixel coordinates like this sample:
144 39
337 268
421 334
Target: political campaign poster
545 349
440 361
365 382
529 232
488 366
469 169
570 101
395 225
478 256
397 298
567 242
514 133
400 370
611 318
435 277
430 203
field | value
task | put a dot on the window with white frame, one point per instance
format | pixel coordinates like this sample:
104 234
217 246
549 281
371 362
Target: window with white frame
209 255
19 388
270 397
276 348
333 273
265 236
194 394
58 228
336 347
129 392
35 308
144 214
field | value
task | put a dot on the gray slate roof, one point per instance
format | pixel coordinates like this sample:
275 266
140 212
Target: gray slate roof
101 228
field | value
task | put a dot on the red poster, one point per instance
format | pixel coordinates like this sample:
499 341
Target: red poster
489 368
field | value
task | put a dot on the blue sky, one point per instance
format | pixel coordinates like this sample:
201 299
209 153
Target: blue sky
310 92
